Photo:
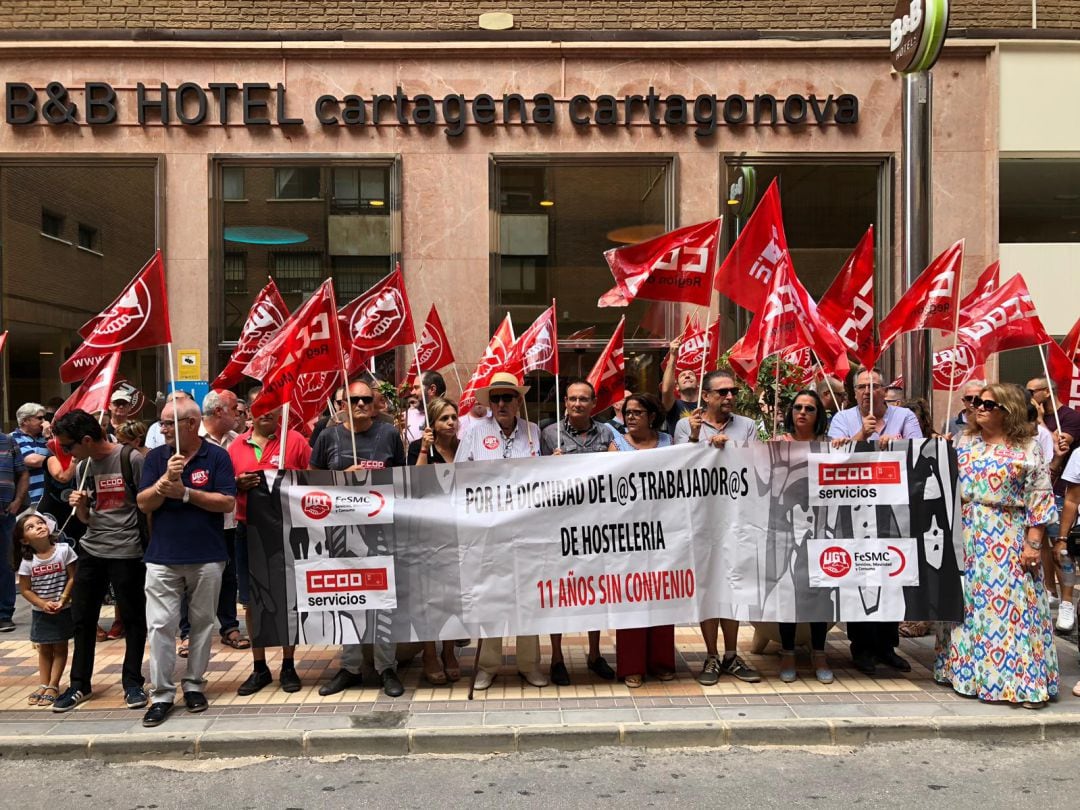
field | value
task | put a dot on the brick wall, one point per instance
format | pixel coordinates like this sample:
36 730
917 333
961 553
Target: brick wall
567 15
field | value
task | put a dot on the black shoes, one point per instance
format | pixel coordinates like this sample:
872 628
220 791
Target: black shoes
601 669
864 662
156 714
195 702
256 680
559 675
892 659
391 684
290 681
341 681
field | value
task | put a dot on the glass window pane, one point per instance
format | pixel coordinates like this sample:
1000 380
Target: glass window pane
1040 201
297 183
232 183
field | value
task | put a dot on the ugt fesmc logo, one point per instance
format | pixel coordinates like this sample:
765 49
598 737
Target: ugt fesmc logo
835 561
317 505
865 561
340 506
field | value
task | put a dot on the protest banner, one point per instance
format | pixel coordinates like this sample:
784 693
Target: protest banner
611 540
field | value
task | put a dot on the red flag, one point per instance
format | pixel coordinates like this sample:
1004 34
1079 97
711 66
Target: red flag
1064 374
802 358
137 319
309 342
588 333
608 375
986 284
1006 319
538 347
613 298
1070 345
433 351
676 266
931 302
848 304
93 394
493 359
309 398
377 321
757 254
695 341
3 339
952 371
264 318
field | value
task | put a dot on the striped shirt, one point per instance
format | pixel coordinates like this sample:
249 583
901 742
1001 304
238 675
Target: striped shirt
485 440
49 577
11 467
28 445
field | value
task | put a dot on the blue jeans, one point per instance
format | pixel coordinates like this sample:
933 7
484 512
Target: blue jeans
7 576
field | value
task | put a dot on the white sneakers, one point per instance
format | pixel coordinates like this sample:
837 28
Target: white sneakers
483 680
534 677
1066 619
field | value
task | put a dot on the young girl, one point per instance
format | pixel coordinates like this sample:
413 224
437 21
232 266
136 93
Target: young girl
46 575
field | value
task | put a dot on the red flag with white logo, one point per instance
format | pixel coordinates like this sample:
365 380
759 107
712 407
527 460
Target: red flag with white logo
608 375
377 321
931 302
493 359
433 351
696 340
1065 375
848 304
1005 319
309 397
93 394
264 318
1070 345
676 266
760 250
309 342
538 347
137 319
985 285
953 369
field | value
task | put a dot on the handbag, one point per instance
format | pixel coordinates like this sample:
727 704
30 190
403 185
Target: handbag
1072 542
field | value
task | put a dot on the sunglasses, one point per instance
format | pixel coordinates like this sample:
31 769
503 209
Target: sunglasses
502 398
968 399
1034 391
804 408
361 400
987 405
724 392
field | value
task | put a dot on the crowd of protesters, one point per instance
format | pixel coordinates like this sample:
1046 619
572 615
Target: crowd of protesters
158 518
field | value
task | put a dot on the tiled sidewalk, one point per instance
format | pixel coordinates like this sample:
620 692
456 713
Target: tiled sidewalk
509 702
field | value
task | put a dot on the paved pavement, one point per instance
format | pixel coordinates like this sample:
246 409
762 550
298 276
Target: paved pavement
515 716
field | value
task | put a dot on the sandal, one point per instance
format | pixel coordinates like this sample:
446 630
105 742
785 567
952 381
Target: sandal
235 640
634 681
101 634
436 677
1034 704
47 699
451 668
34 698
182 648
664 674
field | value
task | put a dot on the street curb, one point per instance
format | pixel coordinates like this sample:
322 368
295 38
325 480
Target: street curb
846 732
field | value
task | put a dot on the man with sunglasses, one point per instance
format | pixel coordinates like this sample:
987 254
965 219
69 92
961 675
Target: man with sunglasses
871 420
716 424
967 415
580 433
504 434
188 486
378 446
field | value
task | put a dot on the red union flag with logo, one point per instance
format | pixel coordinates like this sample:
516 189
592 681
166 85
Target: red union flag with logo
1064 374
759 252
377 321
433 351
538 347
309 397
985 285
264 318
493 360
309 342
1005 319
696 341
955 367
93 395
931 302
848 304
607 376
137 319
676 266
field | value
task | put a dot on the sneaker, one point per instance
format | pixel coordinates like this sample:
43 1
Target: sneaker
710 673
69 700
738 668
1066 619
6 625
1054 601
135 697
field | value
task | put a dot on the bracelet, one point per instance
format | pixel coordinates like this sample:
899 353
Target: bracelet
1034 546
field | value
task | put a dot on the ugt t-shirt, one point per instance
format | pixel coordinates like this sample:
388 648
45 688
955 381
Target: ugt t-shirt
113 530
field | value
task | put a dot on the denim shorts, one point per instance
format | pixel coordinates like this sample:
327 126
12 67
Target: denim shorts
51 628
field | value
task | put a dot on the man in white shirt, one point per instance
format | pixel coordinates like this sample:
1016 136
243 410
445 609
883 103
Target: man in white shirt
425 388
503 435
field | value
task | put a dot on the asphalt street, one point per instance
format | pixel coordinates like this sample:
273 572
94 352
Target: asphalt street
953 774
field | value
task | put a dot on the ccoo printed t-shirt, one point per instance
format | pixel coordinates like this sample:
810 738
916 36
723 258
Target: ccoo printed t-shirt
49 577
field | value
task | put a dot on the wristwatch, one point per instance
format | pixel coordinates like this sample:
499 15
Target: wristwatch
187 495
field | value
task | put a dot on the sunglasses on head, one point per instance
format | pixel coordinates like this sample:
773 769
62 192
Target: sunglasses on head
804 408
361 400
503 398
724 392
986 404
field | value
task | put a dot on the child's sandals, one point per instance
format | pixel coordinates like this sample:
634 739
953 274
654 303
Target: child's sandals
42 697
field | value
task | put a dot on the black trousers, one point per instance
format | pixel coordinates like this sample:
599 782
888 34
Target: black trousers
93 575
873 638
818 631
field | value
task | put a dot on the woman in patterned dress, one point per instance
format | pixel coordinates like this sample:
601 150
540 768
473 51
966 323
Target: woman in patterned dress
1004 650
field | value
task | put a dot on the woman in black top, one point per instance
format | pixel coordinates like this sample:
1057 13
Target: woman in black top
437 445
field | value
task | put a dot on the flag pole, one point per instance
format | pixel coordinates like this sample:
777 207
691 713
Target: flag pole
284 435
172 382
955 342
1050 387
82 482
348 404
776 396
828 384
558 389
420 376
704 354
461 388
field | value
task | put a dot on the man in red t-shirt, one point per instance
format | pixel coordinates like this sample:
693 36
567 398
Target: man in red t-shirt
251 451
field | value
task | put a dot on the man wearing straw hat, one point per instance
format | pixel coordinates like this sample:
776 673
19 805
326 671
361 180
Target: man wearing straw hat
504 434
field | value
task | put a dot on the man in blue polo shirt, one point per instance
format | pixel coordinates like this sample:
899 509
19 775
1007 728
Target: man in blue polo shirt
13 485
29 435
188 486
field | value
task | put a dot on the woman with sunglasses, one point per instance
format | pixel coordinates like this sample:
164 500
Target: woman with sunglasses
805 421
643 649
1004 650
